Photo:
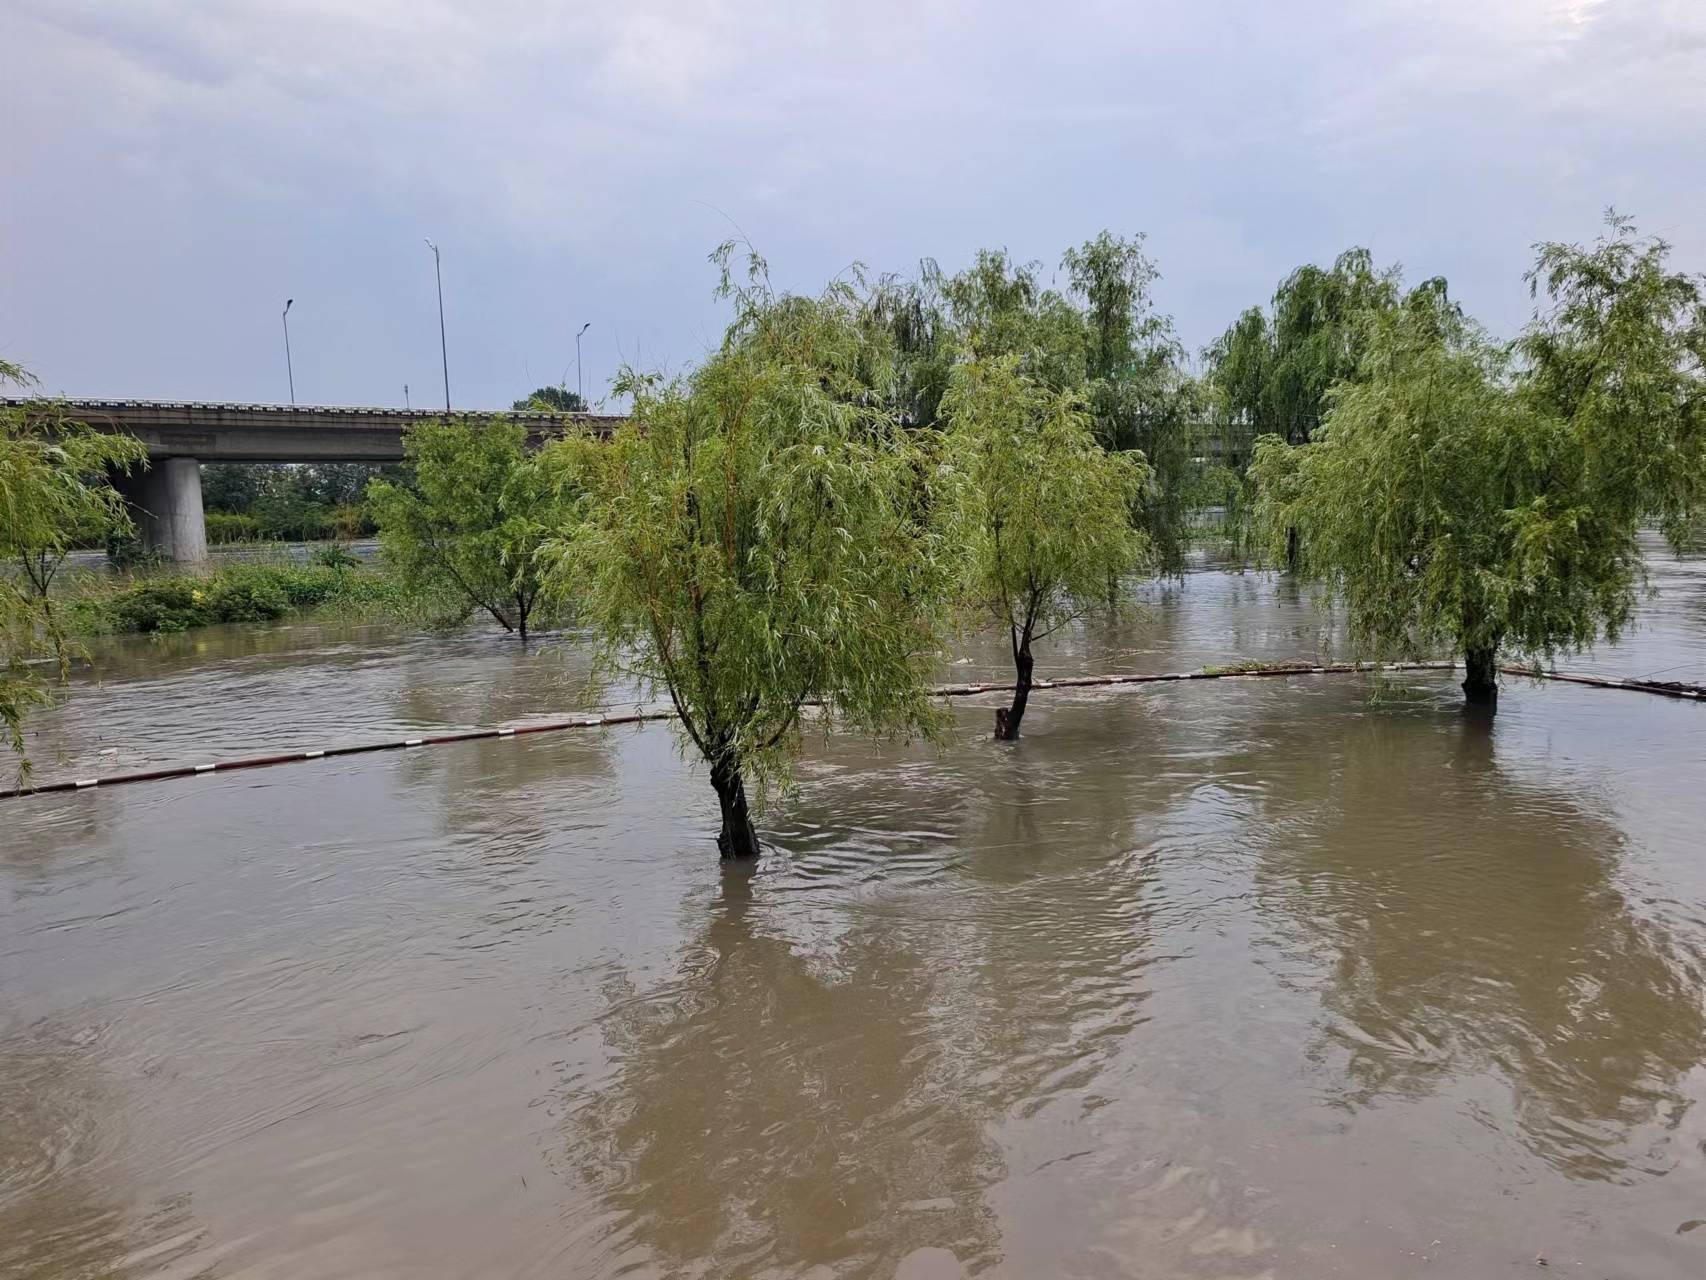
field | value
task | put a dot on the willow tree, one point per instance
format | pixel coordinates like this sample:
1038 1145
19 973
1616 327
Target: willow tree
1486 498
1001 308
1043 510
54 494
1619 354
469 516
760 537
917 337
1273 369
1271 372
1137 392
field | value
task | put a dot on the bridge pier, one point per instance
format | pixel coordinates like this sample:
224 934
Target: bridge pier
165 502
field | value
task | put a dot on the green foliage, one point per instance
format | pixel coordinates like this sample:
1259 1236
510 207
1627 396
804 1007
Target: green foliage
999 308
551 400
241 593
1138 394
1467 494
1101 339
1041 509
1620 356
248 594
54 495
759 536
54 488
1272 374
336 556
162 604
471 516
920 340
226 527
288 502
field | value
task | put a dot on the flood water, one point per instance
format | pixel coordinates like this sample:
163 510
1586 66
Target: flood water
1227 979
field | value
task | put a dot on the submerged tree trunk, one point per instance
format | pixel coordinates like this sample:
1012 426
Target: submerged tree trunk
1481 679
1007 718
737 839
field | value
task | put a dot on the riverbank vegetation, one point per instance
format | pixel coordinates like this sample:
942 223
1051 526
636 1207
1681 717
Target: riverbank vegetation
288 502
54 494
334 586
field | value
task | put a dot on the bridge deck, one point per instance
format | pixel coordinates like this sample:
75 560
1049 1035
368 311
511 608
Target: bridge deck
218 432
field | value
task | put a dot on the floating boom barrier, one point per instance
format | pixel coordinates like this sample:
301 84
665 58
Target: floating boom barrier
1253 671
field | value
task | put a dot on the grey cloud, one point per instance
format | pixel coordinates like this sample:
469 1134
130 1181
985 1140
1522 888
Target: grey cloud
572 160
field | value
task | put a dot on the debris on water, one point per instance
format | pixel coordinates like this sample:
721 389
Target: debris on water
1540 1259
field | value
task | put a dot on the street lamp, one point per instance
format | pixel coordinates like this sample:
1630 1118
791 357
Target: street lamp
288 369
580 388
442 353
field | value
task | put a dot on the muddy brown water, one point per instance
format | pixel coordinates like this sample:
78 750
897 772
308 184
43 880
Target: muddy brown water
1250 978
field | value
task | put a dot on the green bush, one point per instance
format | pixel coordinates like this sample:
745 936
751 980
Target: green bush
125 551
246 596
161 604
249 593
224 527
336 556
287 520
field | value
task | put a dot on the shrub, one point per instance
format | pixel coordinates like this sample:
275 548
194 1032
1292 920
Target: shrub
125 551
351 520
242 596
336 556
161 604
224 527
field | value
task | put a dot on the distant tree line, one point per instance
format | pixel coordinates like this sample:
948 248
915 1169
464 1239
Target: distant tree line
292 502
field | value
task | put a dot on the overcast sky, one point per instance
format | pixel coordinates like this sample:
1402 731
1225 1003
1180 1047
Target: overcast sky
174 169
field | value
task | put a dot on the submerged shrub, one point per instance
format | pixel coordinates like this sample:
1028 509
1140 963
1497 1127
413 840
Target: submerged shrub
244 596
161 604
336 556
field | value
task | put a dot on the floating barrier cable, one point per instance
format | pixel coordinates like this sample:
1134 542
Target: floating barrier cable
1665 688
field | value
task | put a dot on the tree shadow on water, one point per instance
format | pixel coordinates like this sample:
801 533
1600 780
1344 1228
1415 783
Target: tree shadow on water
1468 923
770 1112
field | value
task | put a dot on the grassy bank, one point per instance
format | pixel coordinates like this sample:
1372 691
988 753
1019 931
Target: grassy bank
243 593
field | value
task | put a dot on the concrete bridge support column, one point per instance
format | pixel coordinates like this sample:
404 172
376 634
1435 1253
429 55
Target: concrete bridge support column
165 502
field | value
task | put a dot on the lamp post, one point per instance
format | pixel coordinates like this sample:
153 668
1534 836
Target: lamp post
443 354
580 386
288 369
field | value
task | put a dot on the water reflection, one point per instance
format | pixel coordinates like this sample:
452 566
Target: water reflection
1201 980
60 1123
768 1111
1464 921
820 1078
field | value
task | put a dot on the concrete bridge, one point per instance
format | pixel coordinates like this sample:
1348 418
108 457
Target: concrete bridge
180 436
165 500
